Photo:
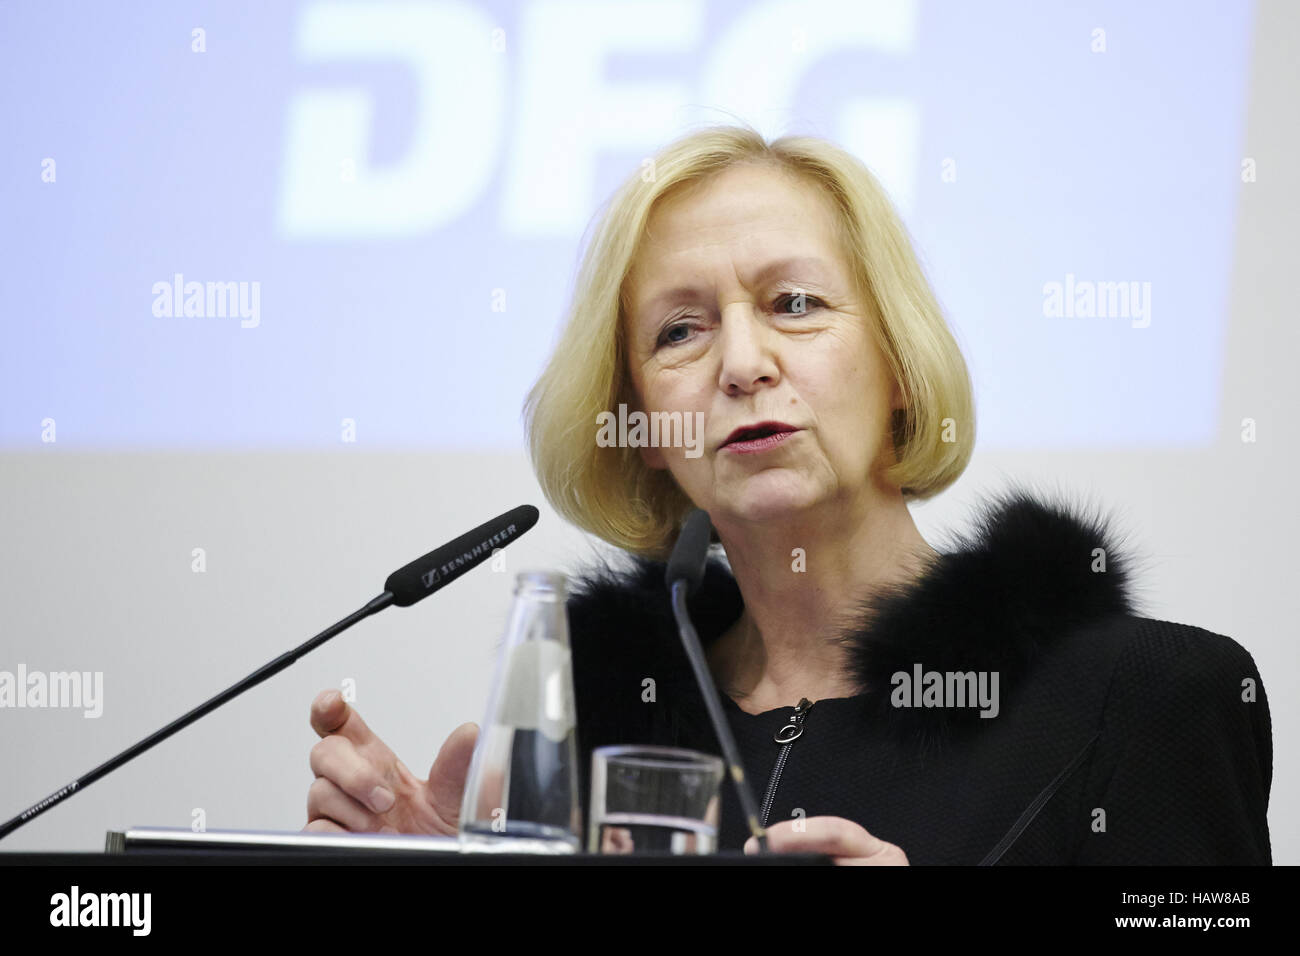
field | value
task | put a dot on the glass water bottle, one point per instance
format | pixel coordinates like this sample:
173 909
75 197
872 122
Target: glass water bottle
521 795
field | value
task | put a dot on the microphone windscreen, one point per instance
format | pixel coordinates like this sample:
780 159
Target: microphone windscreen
440 567
691 552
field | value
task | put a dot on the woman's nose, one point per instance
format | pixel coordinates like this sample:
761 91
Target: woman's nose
747 348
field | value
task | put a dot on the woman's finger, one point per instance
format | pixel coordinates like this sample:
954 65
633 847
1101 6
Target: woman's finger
832 836
325 799
337 758
323 825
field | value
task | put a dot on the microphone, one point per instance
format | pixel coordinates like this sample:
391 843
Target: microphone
438 568
684 575
690 553
404 587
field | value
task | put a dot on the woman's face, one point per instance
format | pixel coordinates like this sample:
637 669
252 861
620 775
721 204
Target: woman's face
715 326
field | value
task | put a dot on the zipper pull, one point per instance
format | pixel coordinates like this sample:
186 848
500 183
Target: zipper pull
794 729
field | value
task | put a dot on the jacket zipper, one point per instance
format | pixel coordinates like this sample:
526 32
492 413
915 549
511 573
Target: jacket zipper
786 736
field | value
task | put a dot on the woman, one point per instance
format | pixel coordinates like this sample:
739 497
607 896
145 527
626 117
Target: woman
996 703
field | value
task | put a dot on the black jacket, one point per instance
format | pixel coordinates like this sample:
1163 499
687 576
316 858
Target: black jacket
1118 739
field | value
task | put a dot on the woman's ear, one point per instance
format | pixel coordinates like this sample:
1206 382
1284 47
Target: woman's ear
897 419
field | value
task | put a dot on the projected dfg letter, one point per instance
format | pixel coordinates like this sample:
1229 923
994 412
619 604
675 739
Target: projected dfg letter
457 119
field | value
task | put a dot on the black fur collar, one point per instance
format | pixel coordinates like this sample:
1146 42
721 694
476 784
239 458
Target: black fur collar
994 600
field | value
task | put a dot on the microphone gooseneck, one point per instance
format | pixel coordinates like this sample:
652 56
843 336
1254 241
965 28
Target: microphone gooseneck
404 587
684 575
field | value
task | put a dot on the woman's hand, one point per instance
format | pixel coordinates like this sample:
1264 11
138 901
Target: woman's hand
842 839
362 787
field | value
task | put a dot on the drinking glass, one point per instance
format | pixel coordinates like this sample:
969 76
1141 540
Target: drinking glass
654 800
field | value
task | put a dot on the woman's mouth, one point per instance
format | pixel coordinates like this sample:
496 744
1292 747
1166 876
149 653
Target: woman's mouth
759 438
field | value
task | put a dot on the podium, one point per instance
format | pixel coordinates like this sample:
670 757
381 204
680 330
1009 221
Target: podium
166 846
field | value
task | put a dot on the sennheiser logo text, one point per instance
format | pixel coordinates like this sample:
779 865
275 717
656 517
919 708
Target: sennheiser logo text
431 577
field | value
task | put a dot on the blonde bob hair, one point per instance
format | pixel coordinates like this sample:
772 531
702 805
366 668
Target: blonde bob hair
610 491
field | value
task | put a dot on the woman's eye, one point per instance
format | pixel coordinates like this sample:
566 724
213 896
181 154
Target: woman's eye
665 337
800 302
